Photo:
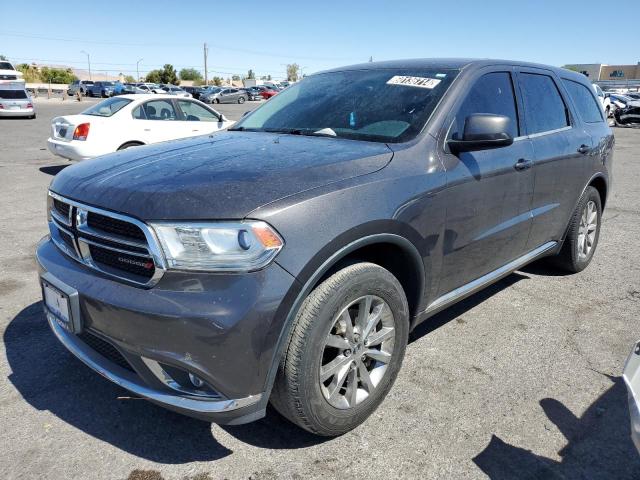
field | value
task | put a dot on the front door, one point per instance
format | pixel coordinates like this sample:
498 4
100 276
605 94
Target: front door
488 192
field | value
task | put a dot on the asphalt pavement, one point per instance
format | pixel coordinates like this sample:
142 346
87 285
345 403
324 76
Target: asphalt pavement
522 380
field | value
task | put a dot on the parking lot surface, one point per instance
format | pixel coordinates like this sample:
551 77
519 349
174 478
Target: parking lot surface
522 380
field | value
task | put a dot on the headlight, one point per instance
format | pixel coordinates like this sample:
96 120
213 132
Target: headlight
218 246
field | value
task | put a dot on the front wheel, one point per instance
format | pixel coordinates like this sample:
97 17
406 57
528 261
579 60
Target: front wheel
583 233
345 350
217 100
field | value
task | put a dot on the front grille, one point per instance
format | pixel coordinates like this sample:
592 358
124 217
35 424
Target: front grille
115 226
61 207
67 239
105 349
104 241
142 266
8 77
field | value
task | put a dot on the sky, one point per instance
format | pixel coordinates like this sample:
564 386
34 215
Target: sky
265 36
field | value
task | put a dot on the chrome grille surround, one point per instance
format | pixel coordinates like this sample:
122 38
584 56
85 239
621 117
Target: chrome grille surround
76 226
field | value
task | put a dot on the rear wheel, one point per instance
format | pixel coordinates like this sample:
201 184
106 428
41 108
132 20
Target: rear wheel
344 352
583 233
217 100
240 99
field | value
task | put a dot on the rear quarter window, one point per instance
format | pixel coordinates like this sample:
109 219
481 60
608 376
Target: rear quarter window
585 102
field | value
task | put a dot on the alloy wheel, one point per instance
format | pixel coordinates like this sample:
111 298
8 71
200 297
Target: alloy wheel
587 229
357 352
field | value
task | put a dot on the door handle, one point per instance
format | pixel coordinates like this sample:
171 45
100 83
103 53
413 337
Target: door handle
584 149
523 164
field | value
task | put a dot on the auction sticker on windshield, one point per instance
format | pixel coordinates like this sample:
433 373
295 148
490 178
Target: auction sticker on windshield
421 82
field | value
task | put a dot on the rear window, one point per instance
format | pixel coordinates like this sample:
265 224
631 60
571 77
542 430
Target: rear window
544 109
107 107
13 94
584 100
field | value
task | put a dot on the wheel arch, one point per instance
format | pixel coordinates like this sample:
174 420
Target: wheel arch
131 143
600 184
368 247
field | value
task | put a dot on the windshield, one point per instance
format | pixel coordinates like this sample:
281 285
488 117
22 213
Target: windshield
376 105
13 94
5 66
107 107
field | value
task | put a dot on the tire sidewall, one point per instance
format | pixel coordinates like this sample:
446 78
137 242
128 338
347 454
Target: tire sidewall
590 194
369 282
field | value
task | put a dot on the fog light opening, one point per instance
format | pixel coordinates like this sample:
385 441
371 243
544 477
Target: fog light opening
196 381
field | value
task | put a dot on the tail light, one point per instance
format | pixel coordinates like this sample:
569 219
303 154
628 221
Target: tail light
29 105
81 132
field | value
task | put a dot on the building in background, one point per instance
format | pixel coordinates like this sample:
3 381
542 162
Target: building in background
603 72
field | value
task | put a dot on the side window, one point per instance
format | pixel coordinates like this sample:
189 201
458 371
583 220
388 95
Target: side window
492 93
585 102
194 112
138 113
544 109
159 110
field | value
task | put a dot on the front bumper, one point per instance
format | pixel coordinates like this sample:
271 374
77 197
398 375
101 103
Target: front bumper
221 328
631 377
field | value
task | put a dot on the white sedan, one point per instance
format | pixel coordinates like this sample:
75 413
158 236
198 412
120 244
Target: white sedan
131 120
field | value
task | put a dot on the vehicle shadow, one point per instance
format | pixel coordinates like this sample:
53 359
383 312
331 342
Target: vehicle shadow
52 169
598 444
50 378
463 306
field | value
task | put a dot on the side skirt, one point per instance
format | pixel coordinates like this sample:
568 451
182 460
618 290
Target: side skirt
478 284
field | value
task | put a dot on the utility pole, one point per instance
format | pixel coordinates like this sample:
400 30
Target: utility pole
206 52
89 62
138 70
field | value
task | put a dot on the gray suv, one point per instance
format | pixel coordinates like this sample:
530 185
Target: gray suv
287 259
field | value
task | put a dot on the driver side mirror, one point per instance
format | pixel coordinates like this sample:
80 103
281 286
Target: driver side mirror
246 113
483 131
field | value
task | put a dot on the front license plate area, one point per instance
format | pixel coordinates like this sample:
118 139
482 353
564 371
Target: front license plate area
58 307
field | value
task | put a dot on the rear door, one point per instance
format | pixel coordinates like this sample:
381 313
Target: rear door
562 152
488 191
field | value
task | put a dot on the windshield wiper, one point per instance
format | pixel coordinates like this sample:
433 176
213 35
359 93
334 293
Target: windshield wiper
309 132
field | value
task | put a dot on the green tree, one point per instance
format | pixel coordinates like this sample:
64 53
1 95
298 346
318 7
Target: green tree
154 76
30 73
190 74
250 74
168 74
129 79
292 72
217 81
235 77
57 75
3 58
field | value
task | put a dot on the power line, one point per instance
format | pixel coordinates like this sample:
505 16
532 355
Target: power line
155 44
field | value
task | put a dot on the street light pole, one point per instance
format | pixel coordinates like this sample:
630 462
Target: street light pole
88 61
137 70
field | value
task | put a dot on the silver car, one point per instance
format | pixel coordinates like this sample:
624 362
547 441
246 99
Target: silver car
15 102
226 95
177 91
631 377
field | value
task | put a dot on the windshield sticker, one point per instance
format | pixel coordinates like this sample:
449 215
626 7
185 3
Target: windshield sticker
421 82
441 75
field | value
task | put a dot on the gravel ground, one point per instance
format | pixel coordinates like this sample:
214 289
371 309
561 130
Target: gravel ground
519 381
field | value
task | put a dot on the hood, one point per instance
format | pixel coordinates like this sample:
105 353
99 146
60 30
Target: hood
223 176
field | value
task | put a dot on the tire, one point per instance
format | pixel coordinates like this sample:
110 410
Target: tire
217 100
607 113
124 146
299 394
574 257
241 100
